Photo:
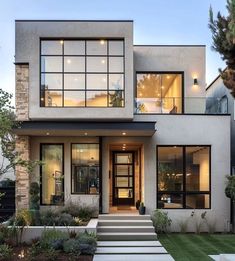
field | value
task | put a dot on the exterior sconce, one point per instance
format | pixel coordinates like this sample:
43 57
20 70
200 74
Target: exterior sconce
195 81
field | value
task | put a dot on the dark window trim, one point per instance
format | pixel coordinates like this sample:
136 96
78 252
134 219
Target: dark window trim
184 193
160 72
41 145
71 169
62 55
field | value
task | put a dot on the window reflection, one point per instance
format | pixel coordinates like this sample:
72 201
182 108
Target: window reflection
85 168
82 73
52 174
159 93
74 98
51 81
74 81
96 98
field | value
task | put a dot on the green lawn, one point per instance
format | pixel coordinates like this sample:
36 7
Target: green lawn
184 247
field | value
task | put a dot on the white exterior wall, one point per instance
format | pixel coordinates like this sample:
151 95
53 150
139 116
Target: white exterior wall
187 59
28 36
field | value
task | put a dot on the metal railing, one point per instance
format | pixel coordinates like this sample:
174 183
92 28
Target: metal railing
177 105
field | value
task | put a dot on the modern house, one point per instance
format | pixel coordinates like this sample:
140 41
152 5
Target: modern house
115 122
224 102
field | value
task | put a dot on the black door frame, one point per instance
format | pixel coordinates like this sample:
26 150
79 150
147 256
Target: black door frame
130 202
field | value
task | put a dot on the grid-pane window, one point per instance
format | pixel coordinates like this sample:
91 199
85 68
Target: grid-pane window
183 174
85 168
82 73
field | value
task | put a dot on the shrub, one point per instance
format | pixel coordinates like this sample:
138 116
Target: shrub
161 221
87 243
72 246
48 217
23 218
65 219
5 252
83 212
53 239
34 196
50 254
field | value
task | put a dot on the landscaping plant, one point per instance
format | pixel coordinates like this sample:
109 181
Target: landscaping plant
230 193
161 221
5 252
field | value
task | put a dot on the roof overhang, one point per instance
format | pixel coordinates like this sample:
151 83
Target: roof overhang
74 128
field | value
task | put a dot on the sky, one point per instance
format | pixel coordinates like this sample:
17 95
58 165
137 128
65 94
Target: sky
155 22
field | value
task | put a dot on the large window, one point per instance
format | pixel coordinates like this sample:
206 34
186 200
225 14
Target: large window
183 174
85 168
82 73
159 93
52 175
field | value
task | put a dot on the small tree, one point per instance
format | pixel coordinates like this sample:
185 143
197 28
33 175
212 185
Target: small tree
223 36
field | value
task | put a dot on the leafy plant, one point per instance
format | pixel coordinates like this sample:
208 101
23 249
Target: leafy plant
87 243
82 212
34 196
51 254
230 187
5 252
48 217
223 36
183 224
161 221
72 246
65 219
52 238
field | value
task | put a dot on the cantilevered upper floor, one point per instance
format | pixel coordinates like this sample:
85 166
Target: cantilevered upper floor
90 70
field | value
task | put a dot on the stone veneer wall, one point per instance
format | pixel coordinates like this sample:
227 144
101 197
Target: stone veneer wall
22 92
22 176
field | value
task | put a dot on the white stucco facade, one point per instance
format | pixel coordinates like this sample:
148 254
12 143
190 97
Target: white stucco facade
191 127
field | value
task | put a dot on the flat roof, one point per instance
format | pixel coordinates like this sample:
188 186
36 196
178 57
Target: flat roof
169 45
95 21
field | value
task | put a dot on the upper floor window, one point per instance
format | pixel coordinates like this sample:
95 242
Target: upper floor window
159 93
82 73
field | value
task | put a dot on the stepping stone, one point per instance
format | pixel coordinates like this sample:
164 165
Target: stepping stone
131 250
128 243
139 257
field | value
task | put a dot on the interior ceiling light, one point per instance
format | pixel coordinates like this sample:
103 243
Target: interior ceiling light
68 61
61 42
102 42
85 133
103 61
124 133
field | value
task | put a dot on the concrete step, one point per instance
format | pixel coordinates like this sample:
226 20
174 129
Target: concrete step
126 236
131 250
128 243
125 222
126 229
123 217
138 257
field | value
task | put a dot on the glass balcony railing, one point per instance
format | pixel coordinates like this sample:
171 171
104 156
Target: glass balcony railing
175 105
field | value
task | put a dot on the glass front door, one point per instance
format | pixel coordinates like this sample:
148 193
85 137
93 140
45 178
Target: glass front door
123 178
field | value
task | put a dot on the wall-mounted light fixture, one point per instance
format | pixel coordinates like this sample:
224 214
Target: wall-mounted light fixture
195 81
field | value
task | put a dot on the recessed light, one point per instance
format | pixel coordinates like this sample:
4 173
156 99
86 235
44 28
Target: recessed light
42 99
48 133
143 86
102 42
175 146
124 133
61 42
103 61
162 87
124 144
148 76
68 61
85 133
168 77
141 94
123 149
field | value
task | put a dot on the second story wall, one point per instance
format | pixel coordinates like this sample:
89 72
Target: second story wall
60 103
186 62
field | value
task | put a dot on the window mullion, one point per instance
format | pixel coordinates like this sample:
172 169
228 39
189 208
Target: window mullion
184 176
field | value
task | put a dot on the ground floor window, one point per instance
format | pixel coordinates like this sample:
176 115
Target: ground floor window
183 177
85 168
52 187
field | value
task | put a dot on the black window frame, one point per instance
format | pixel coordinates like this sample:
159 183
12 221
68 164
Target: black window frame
184 192
41 201
161 72
108 90
100 169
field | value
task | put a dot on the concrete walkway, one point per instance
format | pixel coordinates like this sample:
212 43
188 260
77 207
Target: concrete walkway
125 237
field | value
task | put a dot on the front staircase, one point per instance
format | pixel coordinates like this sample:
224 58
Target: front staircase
121 237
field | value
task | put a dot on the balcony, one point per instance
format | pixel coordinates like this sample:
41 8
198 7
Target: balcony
188 105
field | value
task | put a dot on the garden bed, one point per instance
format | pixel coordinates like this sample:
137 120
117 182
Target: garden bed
32 232
22 253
